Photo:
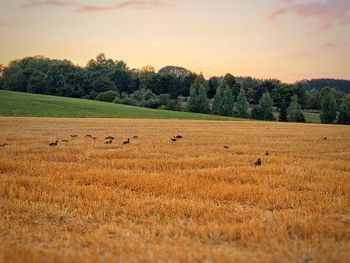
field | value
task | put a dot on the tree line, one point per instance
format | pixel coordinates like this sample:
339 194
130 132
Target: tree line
174 88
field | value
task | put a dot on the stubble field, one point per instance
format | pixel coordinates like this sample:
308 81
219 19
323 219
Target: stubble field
155 200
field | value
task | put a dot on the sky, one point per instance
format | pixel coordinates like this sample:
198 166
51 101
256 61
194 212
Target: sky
285 39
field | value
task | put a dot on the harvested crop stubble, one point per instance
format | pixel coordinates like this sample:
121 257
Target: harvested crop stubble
155 200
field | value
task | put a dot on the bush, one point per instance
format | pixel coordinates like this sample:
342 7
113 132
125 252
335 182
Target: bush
107 96
103 84
174 105
127 101
91 96
152 103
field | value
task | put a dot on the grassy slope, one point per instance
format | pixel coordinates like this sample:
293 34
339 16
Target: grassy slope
26 104
312 117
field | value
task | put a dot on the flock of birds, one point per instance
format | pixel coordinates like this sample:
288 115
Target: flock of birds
110 140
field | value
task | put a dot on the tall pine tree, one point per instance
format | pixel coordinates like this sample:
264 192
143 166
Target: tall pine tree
227 101
198 96
217 103
294 111
223 100
283 111
242 105
203 103
344 110
328 107
265 106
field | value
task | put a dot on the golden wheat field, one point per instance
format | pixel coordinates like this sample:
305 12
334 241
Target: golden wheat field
155 200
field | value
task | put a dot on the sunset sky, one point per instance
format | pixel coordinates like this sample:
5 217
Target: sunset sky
285 39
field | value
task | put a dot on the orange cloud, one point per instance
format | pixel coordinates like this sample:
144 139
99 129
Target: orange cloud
329 13
76 6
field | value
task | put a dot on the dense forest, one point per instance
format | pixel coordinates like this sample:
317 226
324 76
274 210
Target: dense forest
176 88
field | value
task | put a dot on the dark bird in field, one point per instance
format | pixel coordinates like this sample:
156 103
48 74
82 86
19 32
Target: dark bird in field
88 136
226 147
109 138
258 162
267 153
53 143
174 139
109 142
94 138
178 137
127 141
3 145
325 138
135 137
66 141
74 136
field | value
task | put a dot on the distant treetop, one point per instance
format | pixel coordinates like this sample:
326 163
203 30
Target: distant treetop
177 71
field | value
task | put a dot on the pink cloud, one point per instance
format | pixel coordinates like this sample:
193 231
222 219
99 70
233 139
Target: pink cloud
329 45
76 6
329 13
337 43
56 3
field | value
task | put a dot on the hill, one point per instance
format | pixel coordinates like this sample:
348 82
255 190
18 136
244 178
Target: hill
318 84
27 104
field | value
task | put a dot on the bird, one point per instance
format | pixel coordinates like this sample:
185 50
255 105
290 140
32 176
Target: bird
74 136
267 153
135 137
226 147
178 137
109 142
109 138
258 162
53 143
3 145
174 139
94 138
66 141
88 136
325 138
127 141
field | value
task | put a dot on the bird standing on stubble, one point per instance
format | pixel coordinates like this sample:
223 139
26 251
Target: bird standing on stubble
53 144
258 162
